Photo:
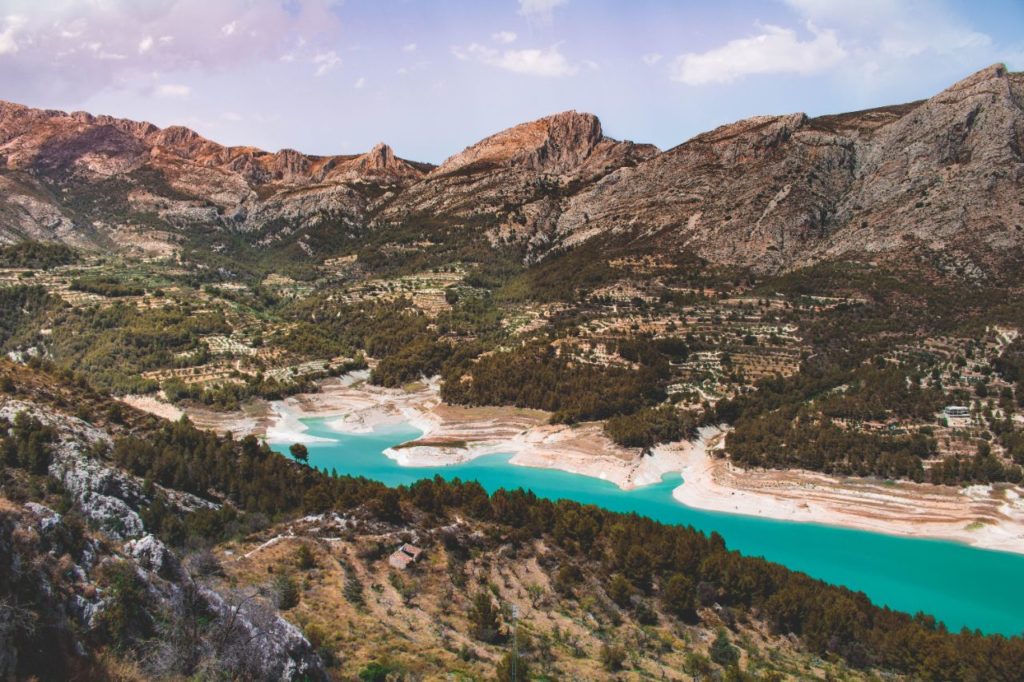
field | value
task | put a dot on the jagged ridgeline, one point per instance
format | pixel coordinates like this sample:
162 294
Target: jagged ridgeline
108 514
937 180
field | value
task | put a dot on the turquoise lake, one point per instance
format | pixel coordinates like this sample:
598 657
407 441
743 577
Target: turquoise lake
959 585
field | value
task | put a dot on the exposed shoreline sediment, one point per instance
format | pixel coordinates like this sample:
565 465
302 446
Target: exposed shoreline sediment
990 517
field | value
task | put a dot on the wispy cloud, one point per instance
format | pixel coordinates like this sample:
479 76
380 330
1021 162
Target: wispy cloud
11 25
870 41
173 90
325 62
897 28
360 83
411 47
74 50
504 37
541 10
774 50
652 58
548 62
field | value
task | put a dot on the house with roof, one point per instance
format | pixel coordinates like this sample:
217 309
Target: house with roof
404 556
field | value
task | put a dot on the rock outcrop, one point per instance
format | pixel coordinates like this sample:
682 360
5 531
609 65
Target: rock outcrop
54 166
942 178
56 591
108 497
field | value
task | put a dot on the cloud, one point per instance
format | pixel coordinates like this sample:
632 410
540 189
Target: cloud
173 90
541 10
871 43
326 62
651 58
894 28
549 62
411 47
64 51
773 51
360 83
504 37
11 25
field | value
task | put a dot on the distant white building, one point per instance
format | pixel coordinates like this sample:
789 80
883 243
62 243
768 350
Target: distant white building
957 415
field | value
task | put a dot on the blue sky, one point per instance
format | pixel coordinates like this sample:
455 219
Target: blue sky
430 77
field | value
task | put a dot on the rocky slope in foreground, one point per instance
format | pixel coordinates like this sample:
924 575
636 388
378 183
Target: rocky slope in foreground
133 548
89 590
940 180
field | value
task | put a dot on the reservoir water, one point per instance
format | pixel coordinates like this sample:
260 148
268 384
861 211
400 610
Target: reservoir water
959 585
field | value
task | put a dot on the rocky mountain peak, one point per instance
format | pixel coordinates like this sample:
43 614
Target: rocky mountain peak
380 158
380 162
554 143
994 74
289 164
179 138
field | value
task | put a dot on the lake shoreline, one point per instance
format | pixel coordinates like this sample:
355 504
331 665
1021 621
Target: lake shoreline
986 517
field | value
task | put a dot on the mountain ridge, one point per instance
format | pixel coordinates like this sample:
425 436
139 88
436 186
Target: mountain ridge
769 193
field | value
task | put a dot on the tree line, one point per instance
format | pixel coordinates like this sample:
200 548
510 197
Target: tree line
627 554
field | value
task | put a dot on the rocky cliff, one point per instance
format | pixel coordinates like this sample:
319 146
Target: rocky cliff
513 184
939 180
81 571
943 178
84 179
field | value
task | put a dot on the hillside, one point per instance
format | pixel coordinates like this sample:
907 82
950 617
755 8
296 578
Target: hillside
135 548
98 180
937 181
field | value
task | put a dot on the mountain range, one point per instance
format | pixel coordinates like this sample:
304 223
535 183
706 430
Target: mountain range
940 179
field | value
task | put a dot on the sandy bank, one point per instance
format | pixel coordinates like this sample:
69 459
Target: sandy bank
984 516
990 517
453 434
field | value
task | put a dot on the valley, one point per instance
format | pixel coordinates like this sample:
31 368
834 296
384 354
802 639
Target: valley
234 383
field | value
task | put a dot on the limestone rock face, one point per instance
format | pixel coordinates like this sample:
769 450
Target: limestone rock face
940 180
77 178
556 144
61 579
378 162
943 177
511 182
153 555
109 497
275 649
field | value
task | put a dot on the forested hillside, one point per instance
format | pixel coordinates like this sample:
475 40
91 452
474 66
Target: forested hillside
194 490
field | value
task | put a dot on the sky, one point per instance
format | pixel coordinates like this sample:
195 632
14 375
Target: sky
430 77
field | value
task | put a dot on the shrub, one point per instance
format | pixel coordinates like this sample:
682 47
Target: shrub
304 558
285 592
723 652
612 657
375 672
483 618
